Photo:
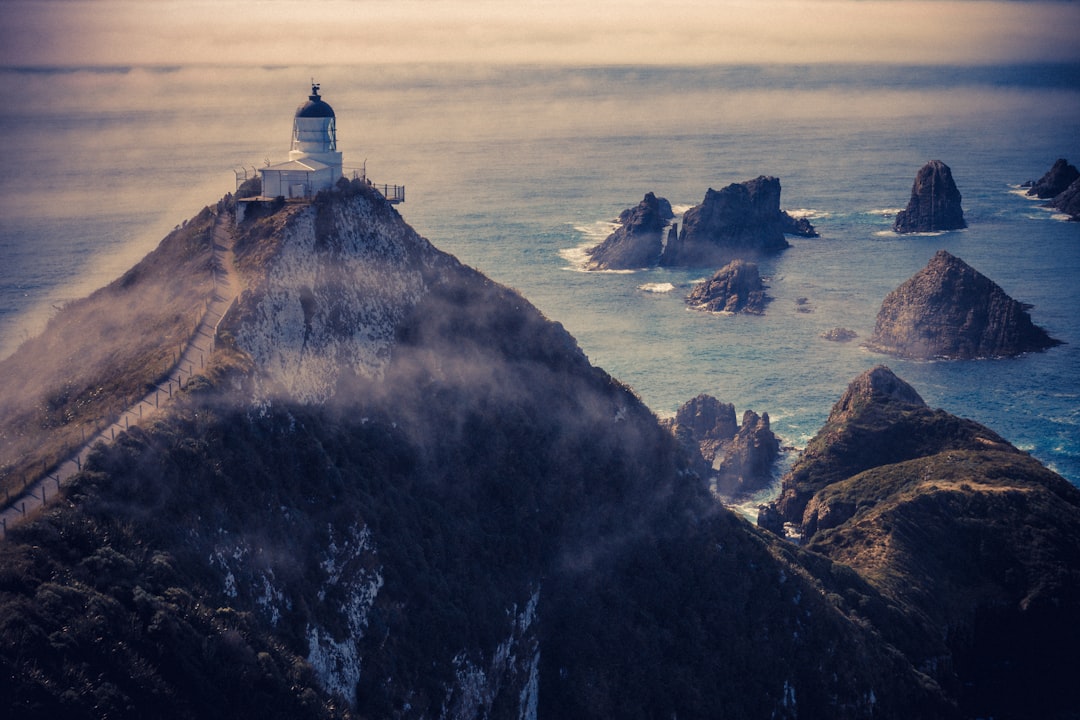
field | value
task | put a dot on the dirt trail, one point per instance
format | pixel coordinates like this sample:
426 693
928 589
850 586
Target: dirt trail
192 360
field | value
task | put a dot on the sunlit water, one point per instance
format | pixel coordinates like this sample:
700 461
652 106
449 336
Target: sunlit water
515 170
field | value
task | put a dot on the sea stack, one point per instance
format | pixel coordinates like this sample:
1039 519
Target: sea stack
950 310
934 203
638 242
735 288
1056 180
741 220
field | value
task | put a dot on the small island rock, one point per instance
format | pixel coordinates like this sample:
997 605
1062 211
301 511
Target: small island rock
736 287
1056 180
839 334
950 310
638 242
741 220
934 203
1068 201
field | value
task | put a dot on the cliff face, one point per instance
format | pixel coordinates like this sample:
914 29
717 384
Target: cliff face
639 240
950 310
938 513
934 204
740 220
430 505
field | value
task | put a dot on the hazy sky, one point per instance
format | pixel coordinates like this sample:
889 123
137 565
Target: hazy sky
314 32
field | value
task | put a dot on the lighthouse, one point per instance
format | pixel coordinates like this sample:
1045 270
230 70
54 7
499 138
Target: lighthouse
314 161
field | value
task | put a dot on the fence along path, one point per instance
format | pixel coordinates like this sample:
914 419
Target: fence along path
192 358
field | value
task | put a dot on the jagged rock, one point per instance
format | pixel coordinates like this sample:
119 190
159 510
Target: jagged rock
703 425
1059 177
741 220
706 427
839 334
748 457
640 239
936 512
950 310
736 287
934 203
1068 201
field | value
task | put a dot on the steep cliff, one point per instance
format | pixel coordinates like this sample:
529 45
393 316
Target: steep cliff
950 310
935 202
397 490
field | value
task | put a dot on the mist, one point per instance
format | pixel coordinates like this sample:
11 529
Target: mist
121 32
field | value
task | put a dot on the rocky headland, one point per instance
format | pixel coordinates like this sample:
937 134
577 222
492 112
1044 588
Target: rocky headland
950 310
397 490
742 220
937 513
934 204
638 241
735 288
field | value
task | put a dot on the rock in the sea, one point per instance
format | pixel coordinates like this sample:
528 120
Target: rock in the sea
741 220
706 428
736 287
1059 177
748 457
638 242
839 334
934 203
1068 201
950 310
702 426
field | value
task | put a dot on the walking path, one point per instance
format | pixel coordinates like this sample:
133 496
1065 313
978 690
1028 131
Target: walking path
191 360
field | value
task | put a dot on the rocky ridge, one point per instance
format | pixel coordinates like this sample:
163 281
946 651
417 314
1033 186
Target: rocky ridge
1055 181
937 513
934 204
950 310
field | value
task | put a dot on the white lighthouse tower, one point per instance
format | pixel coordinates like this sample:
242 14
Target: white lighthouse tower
314 161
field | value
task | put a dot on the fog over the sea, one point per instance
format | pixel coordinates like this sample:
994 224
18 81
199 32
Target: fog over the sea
274 32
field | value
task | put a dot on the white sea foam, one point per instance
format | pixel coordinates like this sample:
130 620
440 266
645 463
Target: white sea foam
809 213
680 209
657 287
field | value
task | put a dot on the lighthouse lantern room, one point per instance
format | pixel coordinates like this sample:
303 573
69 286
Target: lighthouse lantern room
314 161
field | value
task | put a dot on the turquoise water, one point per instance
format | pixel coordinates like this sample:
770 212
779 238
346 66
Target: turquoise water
514 170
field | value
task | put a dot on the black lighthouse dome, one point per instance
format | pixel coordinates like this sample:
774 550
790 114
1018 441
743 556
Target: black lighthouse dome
315 107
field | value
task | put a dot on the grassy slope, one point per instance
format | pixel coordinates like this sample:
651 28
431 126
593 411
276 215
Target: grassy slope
101 353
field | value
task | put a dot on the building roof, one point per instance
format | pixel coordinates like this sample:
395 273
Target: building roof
305 165
314 107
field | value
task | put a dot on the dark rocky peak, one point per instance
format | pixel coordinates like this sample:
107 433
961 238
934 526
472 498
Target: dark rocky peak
934 204
950 310
638 242
1059 177
707 418
736 287
1068 201
877 385
740 220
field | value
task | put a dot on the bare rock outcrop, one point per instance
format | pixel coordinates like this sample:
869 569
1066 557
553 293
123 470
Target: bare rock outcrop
741 220
639 241
706 428
736 287
1056 180
934 204
950 310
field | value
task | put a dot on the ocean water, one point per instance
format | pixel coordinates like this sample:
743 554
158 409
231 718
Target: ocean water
516 169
